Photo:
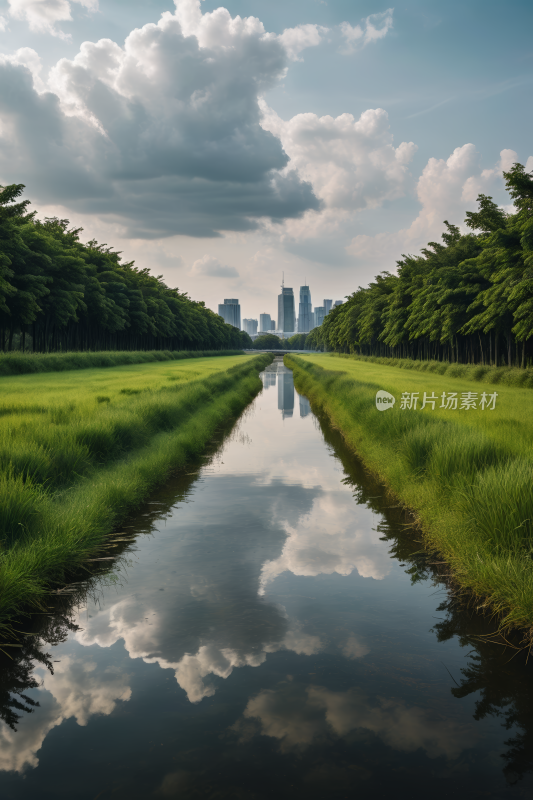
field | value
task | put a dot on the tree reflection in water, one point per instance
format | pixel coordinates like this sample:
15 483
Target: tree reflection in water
499 672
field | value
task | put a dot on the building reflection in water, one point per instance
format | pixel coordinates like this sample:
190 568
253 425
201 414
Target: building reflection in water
305 407
285 394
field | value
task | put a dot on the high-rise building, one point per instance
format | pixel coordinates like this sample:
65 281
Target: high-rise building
286 318
273 325
265 323
327 306
337 303
319 314
305 310
250 326
230 311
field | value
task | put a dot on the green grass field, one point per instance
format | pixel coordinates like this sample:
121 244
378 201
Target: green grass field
79 449
466 473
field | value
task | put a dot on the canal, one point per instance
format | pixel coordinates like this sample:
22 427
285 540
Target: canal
269 628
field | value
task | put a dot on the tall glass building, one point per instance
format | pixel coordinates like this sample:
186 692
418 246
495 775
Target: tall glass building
305 310
265 323
319 314
286 316
250 326
327 306
230 311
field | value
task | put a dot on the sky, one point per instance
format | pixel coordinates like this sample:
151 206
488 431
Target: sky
224 146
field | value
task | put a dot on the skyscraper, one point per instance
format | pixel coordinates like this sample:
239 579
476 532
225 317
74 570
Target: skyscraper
273 325
286 318
337 303
305 310
265 322
320 313
250 326
230 311
327 306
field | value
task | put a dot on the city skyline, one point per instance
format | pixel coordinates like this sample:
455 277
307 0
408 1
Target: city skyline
308 317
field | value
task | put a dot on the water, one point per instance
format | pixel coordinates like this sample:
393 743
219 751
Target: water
271 630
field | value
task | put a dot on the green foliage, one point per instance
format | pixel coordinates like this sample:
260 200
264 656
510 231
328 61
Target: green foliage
467 299
466 475
16 363
268 341
63 295
74 461
507 376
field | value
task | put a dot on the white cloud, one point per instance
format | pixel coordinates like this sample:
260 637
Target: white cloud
298 718
42 16
326 541
354 648
294 40
446 189
77 689
3 24
142 638
29 58
351 163
373 27
209 266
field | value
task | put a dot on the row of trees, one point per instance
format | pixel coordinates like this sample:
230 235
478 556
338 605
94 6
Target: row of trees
59 294
468 299
269 341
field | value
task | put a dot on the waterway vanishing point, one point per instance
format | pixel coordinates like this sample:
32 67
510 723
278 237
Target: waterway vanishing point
271 628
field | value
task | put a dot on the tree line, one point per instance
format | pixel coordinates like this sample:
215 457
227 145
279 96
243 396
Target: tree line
467 299
58 294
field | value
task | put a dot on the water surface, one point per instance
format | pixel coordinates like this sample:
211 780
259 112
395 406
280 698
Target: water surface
272 629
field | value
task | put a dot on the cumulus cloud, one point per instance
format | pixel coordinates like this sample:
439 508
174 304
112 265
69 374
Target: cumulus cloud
42 16
162 134
76 690
3 24
372 28
209 266
328 540
354 648
294 40
29 58
351 163
299 717
446 189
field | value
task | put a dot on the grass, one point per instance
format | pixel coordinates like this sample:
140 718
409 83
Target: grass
79 450
17 363
506 376
467 474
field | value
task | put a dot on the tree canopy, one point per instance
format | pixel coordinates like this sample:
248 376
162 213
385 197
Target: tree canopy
64 295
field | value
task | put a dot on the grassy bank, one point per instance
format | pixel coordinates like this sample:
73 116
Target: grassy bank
78 451
465 473
17 363
506 376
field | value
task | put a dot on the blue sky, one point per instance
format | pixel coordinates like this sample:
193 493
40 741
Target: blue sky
319 138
